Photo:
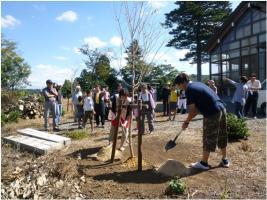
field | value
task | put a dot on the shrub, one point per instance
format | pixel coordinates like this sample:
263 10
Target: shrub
76 134
63 112
13 116
236 128
176 186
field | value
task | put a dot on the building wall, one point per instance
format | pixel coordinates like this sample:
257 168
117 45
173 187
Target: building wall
241 52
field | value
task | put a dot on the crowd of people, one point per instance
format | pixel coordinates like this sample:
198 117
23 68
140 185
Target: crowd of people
192 98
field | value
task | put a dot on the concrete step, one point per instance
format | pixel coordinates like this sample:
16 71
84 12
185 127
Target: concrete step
32 144
45 136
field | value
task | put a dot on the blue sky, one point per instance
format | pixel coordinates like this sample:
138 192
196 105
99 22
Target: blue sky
49 33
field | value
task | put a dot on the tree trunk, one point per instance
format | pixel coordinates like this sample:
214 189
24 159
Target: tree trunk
199 75
140 158
68 103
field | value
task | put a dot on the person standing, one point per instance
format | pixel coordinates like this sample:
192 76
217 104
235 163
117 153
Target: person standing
59 105
147 109
165 99
75 96
124 121
80 111
89 112
201 99
254 86
182 102
212 85
99 106
240 95
173 99
50 95
107 101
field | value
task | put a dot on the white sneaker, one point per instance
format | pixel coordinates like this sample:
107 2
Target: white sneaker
198 165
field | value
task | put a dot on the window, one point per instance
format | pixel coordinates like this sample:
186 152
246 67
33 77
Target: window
262 38
253 40
234 65
254 64
245 66
230 37
247 31
263 25
245 51
225 67
262 66
245 19
256 28
215 57
256 15
234 45
214 68
245 42
234 53
253 50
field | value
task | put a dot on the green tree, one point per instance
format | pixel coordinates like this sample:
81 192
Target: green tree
192 24
14 70
135 64
66 91
98 70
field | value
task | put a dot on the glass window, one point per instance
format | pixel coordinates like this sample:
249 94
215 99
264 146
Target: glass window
256 28
234 45
253 50
262 38
263 25
235 76
225 47
234 53
262 15
215 57
245 42
214 68
245 19
239 33
225 56
225 66
254 64
245 51
245 66
253 40
234 65
255 14
262 66
247 31
230 37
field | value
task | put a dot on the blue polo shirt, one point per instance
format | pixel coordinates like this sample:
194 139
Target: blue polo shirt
205 99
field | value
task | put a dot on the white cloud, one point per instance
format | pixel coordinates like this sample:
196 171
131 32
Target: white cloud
60 58
116 41
9 21
42 72
68 16
94 42
157 4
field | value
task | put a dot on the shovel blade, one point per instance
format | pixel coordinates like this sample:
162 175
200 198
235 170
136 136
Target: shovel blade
171 144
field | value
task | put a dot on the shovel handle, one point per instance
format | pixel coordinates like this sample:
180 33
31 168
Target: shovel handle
178 135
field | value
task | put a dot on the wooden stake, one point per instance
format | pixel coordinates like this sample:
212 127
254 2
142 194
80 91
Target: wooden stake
116 133
139 137
130 136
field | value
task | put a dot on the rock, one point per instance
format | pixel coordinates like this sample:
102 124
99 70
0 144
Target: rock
172 168
104 154
17 170
82 179
41 180
59 184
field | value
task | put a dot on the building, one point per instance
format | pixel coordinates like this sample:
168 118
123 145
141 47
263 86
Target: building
239 47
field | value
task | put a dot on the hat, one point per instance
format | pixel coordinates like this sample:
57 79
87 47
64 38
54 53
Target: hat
49 81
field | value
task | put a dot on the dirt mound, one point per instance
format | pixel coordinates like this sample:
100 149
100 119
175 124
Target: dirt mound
132 163
104 154
172 168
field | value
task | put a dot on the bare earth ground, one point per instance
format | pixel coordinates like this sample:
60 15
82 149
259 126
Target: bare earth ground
67 176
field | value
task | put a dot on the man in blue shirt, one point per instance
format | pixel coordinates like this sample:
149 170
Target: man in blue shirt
201 99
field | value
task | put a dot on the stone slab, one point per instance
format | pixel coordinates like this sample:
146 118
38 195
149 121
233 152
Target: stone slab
32 144
45 136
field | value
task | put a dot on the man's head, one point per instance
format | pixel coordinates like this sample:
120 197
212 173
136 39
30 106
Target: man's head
78 88
243 79
253 77
49 83
181 81
123 94
97 88
211 82
80 98
173 87
88 93
143 88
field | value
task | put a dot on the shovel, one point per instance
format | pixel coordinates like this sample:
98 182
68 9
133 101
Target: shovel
171 144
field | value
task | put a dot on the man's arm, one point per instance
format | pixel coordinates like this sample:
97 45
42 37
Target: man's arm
47 94
192 112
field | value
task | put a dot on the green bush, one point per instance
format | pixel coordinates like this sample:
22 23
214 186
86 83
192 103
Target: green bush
63 112
76 134
177 186
236 128
13 116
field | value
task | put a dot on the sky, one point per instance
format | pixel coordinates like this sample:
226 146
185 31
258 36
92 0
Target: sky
48 35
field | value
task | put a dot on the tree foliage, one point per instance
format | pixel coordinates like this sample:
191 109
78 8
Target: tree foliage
97 71
14 70
192 24
66 89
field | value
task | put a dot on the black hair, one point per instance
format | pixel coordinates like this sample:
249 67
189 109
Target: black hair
123 92
181 78
244 79
80 98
